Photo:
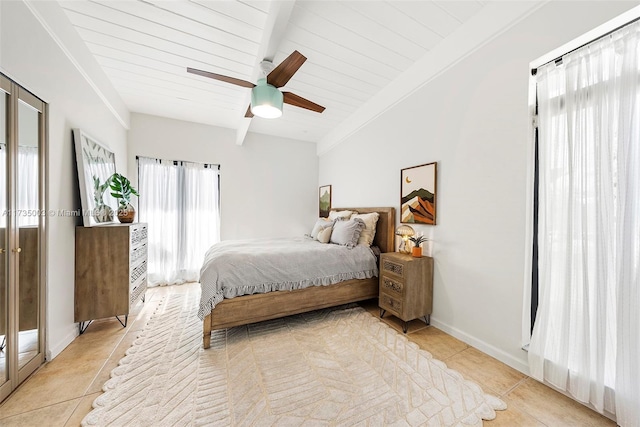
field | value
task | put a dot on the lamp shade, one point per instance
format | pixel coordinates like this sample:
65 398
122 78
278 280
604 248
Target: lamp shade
266 100
405 231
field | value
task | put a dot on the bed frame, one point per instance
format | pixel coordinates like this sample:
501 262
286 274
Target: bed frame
247 309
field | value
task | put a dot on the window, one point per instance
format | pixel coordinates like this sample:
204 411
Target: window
586 335
180 202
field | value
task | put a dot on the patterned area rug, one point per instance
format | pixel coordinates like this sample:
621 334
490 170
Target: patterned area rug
334 367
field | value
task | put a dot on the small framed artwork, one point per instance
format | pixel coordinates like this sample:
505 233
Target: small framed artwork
324 200
418 194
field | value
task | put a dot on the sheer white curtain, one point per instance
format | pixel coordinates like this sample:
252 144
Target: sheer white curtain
28 206
3 184
586 338
180 202
28 185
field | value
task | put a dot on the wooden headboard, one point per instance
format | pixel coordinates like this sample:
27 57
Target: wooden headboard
385 229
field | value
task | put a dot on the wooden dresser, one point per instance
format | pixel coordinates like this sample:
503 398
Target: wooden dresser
111 271
406 286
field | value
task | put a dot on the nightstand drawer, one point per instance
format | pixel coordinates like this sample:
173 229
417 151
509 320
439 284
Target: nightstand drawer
392 267
391 286
391 304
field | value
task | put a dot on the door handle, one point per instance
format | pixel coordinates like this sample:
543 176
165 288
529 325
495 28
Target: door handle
2 250
16 250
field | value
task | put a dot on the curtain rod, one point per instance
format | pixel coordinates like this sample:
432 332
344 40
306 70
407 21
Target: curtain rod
558 60
176 162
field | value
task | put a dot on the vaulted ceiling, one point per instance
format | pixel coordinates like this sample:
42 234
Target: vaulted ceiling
354 49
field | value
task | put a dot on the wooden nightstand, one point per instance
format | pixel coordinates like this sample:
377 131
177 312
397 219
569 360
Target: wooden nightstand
406 286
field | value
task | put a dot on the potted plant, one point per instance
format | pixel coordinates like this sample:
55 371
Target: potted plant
101 212
122 190
416 251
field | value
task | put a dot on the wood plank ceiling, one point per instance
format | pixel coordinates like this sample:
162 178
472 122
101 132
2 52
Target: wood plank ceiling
354 49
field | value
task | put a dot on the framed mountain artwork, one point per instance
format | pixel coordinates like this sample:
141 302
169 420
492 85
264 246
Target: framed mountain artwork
324 201
418 194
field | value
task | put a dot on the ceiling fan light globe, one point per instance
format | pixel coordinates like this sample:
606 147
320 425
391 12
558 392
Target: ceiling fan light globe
266 100
266 112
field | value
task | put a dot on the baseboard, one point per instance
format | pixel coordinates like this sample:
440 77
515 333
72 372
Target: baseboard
54 350
489 349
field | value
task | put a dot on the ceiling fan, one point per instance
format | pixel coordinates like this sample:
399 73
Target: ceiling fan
266 99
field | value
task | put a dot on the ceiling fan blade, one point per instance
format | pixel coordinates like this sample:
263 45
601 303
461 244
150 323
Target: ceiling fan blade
298 101
280 75
220 77
249 114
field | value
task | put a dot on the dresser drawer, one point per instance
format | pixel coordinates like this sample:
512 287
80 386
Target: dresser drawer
391 286
391 304
138 282
136 292
138 235
138 254
138 273
392 267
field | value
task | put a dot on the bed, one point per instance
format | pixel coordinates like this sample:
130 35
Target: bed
245 309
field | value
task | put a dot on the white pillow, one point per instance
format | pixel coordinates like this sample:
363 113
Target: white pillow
320 224
347 232
325 234
333 215
370 220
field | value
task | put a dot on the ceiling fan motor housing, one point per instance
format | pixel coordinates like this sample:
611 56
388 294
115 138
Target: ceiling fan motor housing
266 67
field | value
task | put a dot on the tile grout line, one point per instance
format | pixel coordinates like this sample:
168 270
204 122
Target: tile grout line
42 407
524 411
456 353
516 385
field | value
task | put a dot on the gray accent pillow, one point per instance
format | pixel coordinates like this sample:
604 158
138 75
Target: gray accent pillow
347 232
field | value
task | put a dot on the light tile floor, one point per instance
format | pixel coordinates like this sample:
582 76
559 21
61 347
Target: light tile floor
60 393
529 403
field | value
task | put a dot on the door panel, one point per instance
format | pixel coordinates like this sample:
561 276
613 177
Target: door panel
4 289
27 216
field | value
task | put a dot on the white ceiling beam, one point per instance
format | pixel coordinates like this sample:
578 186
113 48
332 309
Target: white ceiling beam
241 131
274 31
57 24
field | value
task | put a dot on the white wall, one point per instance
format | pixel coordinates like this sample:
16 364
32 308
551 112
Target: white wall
268 186
29 56
472 120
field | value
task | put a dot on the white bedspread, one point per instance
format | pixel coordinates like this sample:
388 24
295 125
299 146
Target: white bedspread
243 267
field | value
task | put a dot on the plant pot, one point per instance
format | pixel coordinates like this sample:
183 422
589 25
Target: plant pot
416 251
126 215
103 213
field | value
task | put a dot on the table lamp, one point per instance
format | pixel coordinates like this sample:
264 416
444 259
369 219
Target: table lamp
405 232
